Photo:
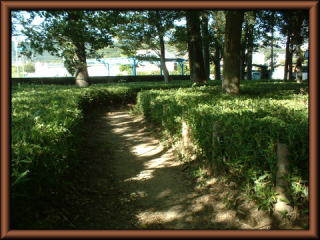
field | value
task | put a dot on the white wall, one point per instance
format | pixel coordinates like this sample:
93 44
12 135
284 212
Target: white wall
49 70
94 69
258 58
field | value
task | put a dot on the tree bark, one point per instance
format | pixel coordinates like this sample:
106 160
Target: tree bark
163 61
205 43
250 44
81 74
231 65
290 68
272 47
243 47
193 23
271 55
162 49
297 41
286 63
217 65
190 53
298 68
81 70
282 185
243 58
249 62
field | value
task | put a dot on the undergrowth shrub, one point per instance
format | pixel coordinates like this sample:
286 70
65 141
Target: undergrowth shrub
237 135
47 131
47 128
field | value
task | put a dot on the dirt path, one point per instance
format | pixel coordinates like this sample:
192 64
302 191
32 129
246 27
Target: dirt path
128 180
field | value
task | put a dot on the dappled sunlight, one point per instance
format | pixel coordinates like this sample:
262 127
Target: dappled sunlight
142 176
146 149
158 163
151 216
164 193
120 130
123 177
119 124
199 203
165 199
138 195
225 216
116 115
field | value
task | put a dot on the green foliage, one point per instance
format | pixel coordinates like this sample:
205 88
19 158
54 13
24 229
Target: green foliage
46 127
43 125
142 29
19 71
70 34
29 67
246 127
263 192
16 71
126 68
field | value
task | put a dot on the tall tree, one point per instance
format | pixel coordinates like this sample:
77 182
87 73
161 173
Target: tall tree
272 21
232 45
287 30
299 22
160 28
269 24
146 30
250 43
294 25
205 42
288 57
216 33
195 47
71 34
247 44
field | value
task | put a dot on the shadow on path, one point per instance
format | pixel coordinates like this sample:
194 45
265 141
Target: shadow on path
128 180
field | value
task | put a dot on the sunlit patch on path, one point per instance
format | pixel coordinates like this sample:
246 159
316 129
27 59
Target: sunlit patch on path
155 183
127 179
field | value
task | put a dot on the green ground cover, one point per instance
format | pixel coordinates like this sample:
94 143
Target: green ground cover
238 135
46 130
46 125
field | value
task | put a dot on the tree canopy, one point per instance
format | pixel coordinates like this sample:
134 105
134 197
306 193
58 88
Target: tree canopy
71 34
207 36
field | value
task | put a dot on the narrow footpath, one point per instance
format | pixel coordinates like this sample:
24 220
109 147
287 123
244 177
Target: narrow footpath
128 180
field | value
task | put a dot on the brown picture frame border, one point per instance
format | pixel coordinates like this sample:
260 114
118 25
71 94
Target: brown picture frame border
7 6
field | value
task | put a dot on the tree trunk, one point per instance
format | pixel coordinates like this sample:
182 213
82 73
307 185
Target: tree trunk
249 63
282 204
162 49
272 46
250 44
271 54
163 61
217 66
286 63
80 67
242 60
231 65
190 61
205 43
290 68
190 52
193 23
298 68
81 74
298 41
